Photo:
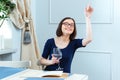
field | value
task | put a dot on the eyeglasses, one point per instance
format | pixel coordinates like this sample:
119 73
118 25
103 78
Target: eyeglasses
68 24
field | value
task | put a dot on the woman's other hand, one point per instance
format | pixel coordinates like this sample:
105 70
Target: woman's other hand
46 62
54 60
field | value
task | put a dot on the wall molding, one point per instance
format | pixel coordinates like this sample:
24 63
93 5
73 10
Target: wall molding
101 15
92 52
95 51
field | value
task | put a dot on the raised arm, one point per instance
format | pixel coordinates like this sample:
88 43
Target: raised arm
88 13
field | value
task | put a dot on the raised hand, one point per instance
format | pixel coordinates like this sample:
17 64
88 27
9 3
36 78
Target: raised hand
88 11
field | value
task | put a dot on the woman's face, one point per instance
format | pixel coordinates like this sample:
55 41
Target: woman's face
67 27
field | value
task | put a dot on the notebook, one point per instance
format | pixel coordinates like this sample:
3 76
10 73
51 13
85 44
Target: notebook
44 79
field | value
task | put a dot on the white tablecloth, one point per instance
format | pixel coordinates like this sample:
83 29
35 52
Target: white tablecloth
38 74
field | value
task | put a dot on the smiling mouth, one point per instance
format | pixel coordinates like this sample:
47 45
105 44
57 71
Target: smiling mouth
68 29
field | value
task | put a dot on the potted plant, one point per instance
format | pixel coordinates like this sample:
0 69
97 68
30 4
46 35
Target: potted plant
6 7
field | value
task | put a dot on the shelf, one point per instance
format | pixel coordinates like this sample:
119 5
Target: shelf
7 51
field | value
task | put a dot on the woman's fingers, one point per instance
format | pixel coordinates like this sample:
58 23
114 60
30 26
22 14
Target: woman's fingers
54 60
88 10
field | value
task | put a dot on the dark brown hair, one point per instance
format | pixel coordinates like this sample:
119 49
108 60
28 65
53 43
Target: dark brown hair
59 30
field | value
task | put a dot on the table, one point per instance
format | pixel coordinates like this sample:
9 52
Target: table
7 73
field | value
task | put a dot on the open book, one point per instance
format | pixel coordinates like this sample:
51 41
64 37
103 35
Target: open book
52 74
39 73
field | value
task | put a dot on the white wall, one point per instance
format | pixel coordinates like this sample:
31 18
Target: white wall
100 59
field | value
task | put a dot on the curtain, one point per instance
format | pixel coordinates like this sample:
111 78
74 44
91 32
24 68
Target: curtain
21 17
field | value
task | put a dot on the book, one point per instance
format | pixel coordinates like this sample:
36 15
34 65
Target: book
44 79
70 77
39 73
52 74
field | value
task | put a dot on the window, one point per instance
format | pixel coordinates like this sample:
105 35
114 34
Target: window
5 35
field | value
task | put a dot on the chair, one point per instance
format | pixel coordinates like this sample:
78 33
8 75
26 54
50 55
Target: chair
15 64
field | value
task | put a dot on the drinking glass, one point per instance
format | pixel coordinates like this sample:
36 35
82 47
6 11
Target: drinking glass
58 54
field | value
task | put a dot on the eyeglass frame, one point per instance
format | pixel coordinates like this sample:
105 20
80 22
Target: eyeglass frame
68 24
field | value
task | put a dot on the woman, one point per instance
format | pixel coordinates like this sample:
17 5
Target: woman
67 43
